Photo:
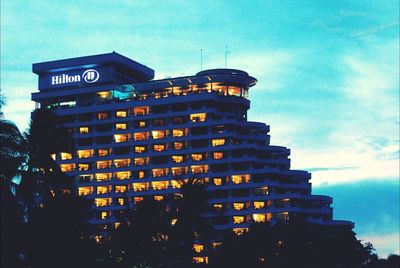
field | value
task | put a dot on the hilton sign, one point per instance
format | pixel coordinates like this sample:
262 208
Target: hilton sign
89 76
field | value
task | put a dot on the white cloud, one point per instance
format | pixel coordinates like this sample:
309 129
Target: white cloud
384 244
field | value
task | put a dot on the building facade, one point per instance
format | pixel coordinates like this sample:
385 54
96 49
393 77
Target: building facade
135 137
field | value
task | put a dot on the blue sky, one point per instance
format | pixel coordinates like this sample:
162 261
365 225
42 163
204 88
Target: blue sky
327 71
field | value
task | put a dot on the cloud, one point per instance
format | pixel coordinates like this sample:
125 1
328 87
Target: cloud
385 244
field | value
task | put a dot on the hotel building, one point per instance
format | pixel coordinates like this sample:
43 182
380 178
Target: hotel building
135 137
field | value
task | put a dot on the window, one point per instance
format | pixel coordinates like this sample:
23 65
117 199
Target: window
85 178
122 175
122 162
137 199
259 217
198 248
240 231
83 166
105 215
237 179
238 219
199 169
139 136
177 158
140 149
176 184
218 142
103 189
179 132
120 126
158 198
258 204
83 130
101 202
102 116
159 147
217 181
103 164
104 152
160 185
66 156
85 153
218 155
178 171
138 187
103 176
159 134
141 110
178 145
141 161
200 260
218 207
120 188
121 114
142 123
104 94
85 190
121 137
120 202
238 206
198 117
197 157
160 172
67 167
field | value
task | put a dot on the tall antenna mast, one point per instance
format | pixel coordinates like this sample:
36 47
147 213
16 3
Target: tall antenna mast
226 56
201 59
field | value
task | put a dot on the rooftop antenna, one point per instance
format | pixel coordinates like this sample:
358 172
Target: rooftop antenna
226 56
201 59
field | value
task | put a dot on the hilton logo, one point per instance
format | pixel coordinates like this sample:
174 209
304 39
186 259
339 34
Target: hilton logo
89 76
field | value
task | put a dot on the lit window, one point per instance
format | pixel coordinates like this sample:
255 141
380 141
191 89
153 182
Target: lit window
121 114
66 156
160 185
103 176
158 198
237 179
217 181
104 94
177 158
121 137
159 134
141 110
83 130
85 153
258 204
140 149
140 187
103 164
176 184
238 219
140 136
198 248
200 260
218 155
85 190
159 147
53 156
218 142
178 171
173 221
141 174
120 201
199 169
179 132
83 166
104 152
137 199
122 175
283 216
104 215
85 178
102 116
141 161
67 167
232 90
218 207
103 189
120 126
101 202
120 189
178 145
240 231
259 217
198 117
160 172
238 206
142 123
197 157
118 163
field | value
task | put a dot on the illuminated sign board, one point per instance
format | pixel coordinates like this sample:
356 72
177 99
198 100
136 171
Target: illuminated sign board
88 76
